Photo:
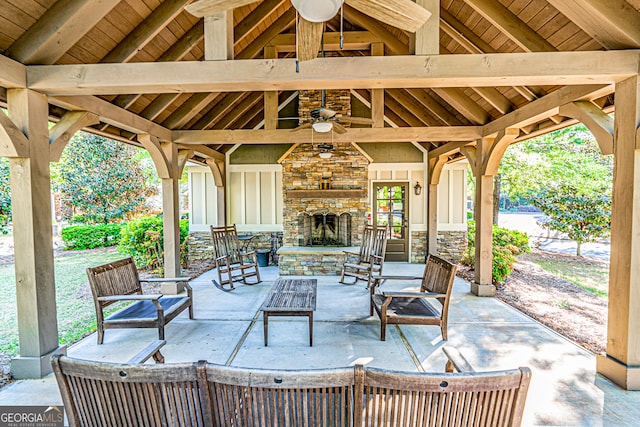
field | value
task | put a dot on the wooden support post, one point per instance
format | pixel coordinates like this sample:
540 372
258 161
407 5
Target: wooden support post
377 95
621 363
426 40
32 236
169 163
218 36
270 96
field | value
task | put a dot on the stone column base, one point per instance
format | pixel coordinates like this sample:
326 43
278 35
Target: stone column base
627 377
483 290
24 367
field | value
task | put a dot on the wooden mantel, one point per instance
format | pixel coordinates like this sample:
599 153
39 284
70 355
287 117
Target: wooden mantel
333 194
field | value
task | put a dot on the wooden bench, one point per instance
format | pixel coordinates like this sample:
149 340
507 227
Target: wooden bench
118 282
202 393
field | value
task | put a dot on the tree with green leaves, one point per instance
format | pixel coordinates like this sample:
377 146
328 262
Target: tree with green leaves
5 195
583 216
102 179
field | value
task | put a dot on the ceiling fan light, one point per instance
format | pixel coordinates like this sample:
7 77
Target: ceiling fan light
322 127
317 10
325 155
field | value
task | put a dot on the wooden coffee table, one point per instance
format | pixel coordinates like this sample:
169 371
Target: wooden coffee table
290 297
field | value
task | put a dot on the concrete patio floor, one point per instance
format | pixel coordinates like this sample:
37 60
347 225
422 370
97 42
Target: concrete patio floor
565 388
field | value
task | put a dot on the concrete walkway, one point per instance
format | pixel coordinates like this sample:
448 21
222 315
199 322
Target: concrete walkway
565 389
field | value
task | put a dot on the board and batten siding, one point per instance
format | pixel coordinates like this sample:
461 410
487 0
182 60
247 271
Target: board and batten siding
254 198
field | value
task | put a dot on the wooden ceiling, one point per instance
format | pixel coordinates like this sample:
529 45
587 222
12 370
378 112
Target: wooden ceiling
77 32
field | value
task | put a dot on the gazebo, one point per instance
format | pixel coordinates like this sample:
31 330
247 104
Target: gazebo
457 79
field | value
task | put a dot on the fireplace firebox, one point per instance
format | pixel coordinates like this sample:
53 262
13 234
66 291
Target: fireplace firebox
325 229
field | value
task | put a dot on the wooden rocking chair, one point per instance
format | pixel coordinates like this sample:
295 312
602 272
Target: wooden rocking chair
230 260
413 308
371 257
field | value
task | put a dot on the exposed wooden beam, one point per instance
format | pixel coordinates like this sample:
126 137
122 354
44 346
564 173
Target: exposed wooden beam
407 114
426 40
495 98
461 102
557 68
365 97
279 25
353 40
62 25
189 109
270 97
436 109
218 36
615 24
512 26
257 16
284 99
62 132
391 42
112 115
377 95
469 41
13 75
447 149
285 136
158 105
413 106
239 108
145 31
546 106
13 143
221 107
208 152
599 123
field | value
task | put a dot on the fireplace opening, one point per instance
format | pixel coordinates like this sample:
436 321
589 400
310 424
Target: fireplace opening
326 229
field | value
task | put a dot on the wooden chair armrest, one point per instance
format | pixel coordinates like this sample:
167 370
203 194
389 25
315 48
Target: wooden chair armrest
409 294
165 279
222 257
456 361
151 350
135 297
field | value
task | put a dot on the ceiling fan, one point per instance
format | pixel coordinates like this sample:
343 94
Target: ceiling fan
404 14
325 119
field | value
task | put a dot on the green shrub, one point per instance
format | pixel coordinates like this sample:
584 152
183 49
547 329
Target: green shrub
80 237
143 240
506 245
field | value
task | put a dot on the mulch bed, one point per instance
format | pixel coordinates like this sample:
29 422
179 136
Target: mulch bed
573 312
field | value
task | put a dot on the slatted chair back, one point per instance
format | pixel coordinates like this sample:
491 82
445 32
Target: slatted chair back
254 397
374 244
115 278
438 278
226 243
456 399
107 394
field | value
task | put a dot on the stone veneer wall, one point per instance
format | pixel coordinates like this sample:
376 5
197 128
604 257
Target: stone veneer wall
303 169
201 248
451 245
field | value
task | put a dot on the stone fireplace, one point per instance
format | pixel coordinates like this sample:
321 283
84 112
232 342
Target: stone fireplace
325 199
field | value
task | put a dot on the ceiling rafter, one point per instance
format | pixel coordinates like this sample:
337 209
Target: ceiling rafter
512 26
391 42
145 31
613 23
437 110
189 109
238 109
461 102
256 17
62 25
412 105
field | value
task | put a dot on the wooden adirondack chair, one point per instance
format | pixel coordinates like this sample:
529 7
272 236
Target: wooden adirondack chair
371 257
231 260
413 307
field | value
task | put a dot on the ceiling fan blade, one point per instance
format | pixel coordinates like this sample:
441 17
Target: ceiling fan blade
309 39
404 14
211 7
339 129
356 120
302 126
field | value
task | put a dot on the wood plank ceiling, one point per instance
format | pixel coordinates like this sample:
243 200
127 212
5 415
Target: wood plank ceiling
114 31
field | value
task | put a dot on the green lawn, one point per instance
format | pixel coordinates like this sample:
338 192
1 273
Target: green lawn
592 277
76 312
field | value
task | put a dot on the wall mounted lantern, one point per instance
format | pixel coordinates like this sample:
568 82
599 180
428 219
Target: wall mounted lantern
417 188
